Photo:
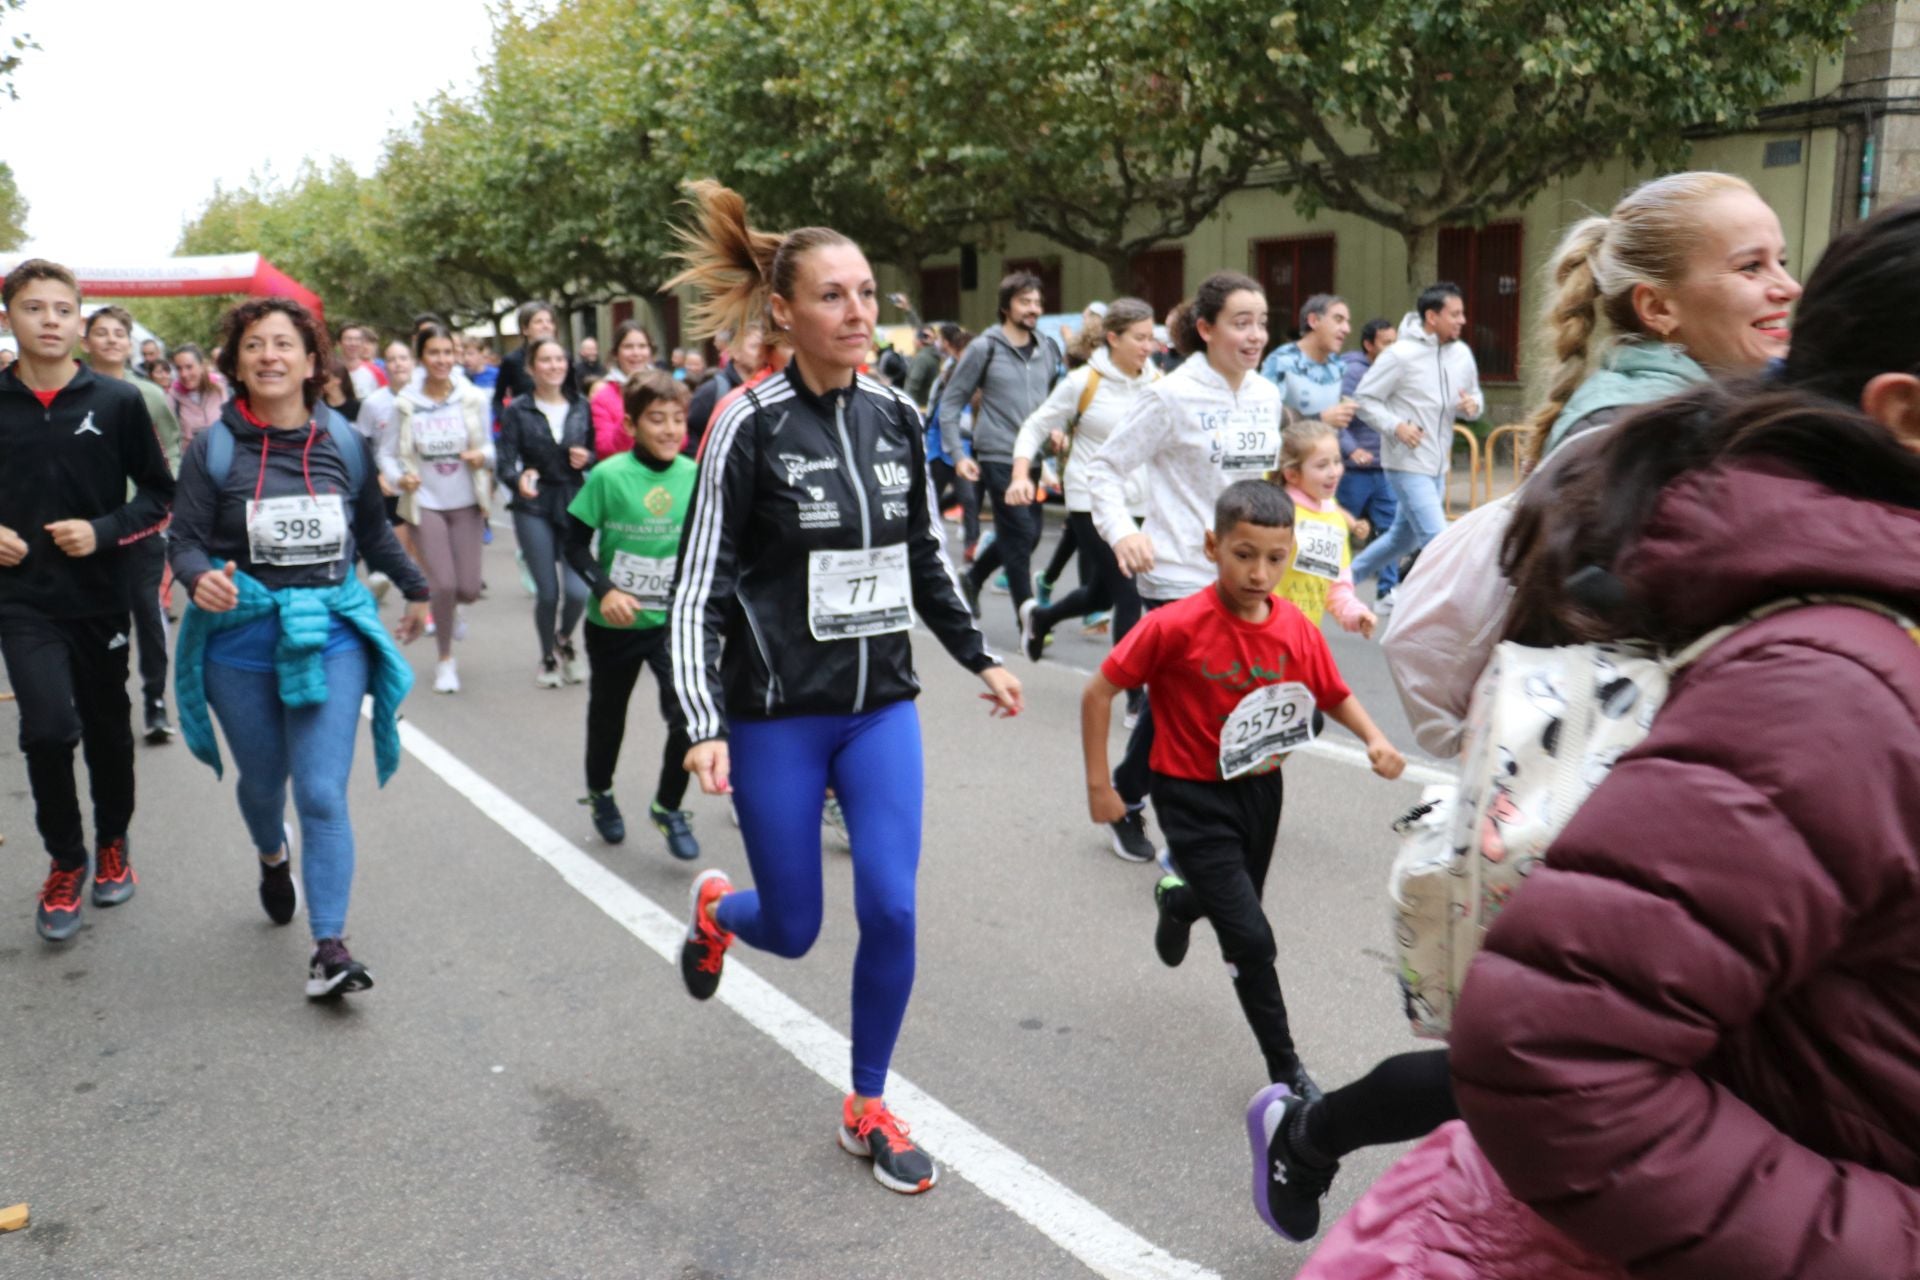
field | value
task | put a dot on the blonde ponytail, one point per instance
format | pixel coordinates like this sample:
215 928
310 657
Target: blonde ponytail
1571 318
729 263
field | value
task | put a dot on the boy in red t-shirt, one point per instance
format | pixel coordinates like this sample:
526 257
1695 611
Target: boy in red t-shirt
1239 679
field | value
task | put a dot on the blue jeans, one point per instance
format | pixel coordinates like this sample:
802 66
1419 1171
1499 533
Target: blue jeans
270 742
781 772
1367 496
1419 520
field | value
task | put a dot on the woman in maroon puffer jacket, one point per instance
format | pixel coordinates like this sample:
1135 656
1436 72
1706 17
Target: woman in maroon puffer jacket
1693 1043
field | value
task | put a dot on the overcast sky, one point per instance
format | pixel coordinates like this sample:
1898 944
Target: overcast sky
132 110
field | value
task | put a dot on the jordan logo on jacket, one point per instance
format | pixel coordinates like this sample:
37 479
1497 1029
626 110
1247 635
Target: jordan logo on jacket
86 425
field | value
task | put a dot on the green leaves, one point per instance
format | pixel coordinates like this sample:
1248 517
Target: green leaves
13 210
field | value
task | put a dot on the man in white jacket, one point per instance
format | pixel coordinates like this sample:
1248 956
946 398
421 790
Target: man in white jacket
1420 385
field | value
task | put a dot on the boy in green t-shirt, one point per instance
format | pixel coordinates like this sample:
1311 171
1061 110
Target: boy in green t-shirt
636 502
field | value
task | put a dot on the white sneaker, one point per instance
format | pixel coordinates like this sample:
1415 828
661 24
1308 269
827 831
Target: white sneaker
548 676
445 678
460 622
572 670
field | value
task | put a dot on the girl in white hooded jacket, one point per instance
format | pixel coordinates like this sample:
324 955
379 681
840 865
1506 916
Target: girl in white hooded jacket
1084 409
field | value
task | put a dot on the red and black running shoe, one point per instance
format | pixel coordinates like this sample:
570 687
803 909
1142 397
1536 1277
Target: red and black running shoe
705 951
880 1136
58 915
113 877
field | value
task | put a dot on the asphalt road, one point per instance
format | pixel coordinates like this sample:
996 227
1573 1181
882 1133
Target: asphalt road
528 1091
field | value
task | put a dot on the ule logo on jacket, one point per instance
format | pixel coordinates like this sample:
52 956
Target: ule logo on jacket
892 475
86 425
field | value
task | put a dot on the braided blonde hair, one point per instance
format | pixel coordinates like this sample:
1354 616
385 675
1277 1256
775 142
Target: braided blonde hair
1647 239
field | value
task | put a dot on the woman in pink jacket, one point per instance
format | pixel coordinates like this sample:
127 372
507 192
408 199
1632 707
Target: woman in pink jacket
632 352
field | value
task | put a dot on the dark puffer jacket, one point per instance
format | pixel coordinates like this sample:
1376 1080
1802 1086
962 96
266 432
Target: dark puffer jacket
1693 1042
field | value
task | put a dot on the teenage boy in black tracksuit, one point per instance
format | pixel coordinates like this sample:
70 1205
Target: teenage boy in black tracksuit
70 441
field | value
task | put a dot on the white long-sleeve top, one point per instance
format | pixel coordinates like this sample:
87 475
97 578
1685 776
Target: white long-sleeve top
1112 399
1186 430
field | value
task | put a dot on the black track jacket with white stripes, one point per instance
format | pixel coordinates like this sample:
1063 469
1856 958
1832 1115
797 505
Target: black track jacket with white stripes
788 474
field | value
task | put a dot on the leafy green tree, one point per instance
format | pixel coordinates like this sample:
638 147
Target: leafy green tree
1079 122
1419 113
14 48
13 210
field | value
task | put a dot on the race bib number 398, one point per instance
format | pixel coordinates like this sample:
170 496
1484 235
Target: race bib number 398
851 594
297 530
1268 723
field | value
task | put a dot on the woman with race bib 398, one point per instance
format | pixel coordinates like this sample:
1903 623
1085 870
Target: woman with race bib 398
813 543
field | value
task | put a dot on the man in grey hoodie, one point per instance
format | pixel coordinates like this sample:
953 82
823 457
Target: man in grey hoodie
1013 367
1414 393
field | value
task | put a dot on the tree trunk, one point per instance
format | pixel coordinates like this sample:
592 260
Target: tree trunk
1119 267
1423 255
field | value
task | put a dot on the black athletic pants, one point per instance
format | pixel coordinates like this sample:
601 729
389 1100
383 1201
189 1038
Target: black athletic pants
1221 836
69 678
616 658
147 559
1016 531
1102 585
964 492
1063 551
1133 778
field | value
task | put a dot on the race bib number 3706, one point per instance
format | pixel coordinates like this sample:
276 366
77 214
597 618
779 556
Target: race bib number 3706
1268 723
851 594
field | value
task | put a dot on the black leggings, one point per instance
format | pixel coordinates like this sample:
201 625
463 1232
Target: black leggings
1102 585
1063 552
616 657
963 491
1405 1097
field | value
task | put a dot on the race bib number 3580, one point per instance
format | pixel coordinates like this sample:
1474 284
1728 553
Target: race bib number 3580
851 594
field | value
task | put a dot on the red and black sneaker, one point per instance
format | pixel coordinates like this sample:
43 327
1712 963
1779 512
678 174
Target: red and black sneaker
705 950
113 877
58 916
881 1136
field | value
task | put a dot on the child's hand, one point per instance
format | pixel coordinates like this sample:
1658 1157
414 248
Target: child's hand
618 608
1362 529
1104 804
1365 626
1385 759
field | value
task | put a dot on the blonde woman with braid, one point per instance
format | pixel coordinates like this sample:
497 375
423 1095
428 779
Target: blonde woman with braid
1685 281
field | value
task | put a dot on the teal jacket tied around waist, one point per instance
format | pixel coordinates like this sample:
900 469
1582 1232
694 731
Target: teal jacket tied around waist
306 616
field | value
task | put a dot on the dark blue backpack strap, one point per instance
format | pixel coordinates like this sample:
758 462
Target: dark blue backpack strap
219 452
351 444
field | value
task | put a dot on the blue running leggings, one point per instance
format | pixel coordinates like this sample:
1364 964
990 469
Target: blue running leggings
781 772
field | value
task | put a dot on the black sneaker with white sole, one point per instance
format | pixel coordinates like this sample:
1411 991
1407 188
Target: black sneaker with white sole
1032 641
880 1136
1130 842
333 973
1287 1190
1172 934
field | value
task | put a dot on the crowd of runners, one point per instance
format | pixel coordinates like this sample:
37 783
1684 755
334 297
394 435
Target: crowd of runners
1709 974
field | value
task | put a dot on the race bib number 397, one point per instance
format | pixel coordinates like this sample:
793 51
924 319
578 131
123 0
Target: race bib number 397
1248 441
297 530
851 594
1268 723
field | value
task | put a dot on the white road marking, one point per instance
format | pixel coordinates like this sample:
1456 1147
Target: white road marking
1107 1247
